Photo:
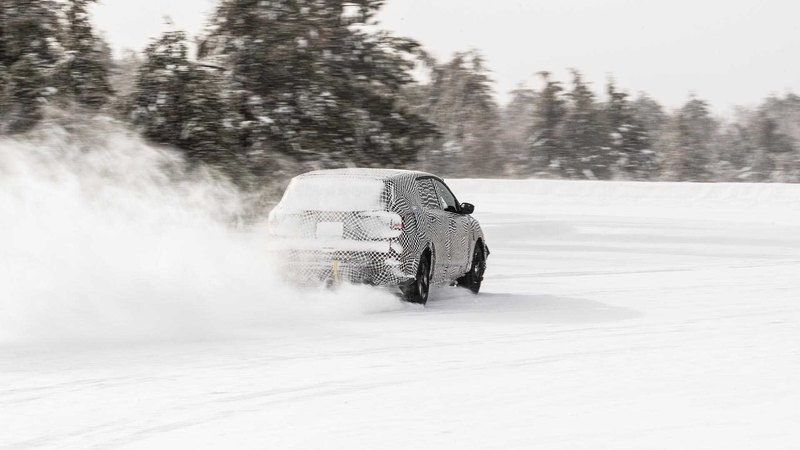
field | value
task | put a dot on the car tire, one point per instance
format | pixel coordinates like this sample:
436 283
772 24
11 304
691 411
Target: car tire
472 280
419 290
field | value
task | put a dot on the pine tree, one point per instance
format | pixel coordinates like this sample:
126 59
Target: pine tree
3 61
734 154
650 114
546 146
178 103
584 155
84 73
687 144
26 92
4 91
778 131
30 27
517 131
30 48
628 142
770 147
312 84
460 102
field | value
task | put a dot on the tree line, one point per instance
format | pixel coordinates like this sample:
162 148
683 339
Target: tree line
273 88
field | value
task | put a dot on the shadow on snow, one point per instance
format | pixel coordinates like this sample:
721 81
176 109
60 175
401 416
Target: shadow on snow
525 308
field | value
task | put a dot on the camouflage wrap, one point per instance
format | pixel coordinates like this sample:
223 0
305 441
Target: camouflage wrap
381 244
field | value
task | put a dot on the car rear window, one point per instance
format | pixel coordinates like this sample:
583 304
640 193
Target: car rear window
335 193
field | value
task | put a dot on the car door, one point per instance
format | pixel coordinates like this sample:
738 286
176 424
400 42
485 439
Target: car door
436 224
457 240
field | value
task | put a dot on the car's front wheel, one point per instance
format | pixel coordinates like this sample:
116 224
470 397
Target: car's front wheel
419 289
472 280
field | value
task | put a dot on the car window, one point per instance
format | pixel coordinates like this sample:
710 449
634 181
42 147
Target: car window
427 194
335 193
446 198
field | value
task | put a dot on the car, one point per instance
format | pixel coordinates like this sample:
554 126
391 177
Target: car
384 227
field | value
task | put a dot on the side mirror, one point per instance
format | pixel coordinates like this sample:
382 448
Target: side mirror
467 208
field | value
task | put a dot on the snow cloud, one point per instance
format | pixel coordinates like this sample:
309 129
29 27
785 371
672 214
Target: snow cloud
107 238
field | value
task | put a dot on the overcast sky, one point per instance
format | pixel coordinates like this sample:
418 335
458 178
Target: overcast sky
733 52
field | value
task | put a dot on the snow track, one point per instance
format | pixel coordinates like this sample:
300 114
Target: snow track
614 315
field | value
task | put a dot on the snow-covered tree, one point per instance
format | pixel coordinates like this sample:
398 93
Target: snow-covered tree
780 125
686 146
460 101
649 113
177 102
546 145
628 142
313 83
84 71
30 48
517 130
761 146
584 154
26 92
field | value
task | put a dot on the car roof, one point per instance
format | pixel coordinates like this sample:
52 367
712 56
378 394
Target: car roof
380 174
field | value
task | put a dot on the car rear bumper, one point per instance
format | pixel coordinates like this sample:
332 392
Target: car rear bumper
363 262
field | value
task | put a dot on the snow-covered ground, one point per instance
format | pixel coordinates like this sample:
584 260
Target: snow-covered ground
613 316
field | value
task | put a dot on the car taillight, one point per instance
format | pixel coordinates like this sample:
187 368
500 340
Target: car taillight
382 224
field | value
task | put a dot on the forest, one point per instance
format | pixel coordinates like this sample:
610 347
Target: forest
274 88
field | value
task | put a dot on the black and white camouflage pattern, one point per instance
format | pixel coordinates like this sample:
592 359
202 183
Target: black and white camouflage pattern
419 198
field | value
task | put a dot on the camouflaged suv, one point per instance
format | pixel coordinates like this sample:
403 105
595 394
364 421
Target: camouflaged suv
395 228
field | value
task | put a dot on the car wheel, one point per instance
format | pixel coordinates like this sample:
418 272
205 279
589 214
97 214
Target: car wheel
419 289
472 279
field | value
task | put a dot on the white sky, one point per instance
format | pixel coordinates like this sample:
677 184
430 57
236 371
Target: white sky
733 52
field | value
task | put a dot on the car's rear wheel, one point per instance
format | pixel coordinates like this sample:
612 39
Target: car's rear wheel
472 280
419 289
